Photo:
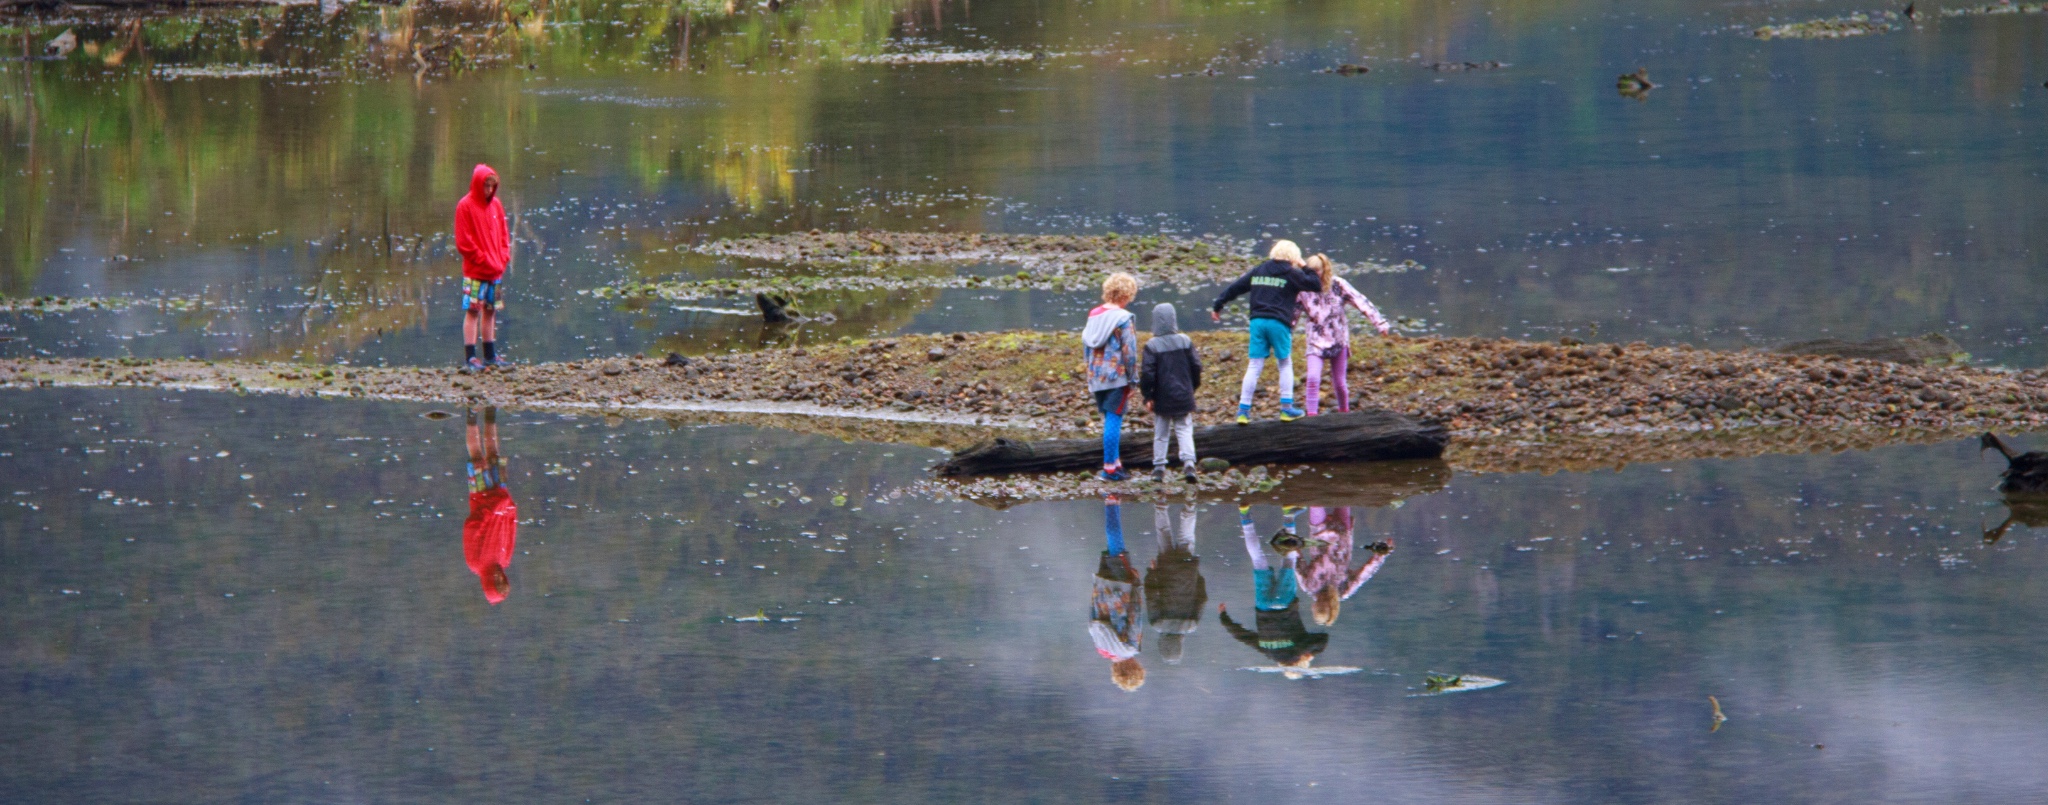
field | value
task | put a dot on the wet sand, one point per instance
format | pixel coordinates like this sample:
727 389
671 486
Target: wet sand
1511 406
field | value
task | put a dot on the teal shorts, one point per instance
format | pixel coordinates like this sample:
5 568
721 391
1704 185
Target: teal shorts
1271 337
1274 589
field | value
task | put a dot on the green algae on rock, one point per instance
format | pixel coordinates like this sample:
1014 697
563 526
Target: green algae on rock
1858 24
908 260
1996 9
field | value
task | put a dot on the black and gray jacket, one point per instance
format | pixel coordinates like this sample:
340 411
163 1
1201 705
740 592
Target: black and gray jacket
1172 369
1272 285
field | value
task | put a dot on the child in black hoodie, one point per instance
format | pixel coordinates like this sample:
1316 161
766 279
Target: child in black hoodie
1169 376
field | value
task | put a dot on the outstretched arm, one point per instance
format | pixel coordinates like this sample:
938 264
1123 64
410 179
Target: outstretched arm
1364 573
1365 306
1242 286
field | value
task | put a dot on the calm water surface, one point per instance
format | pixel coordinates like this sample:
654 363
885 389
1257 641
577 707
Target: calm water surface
211 598
1767 191
270 600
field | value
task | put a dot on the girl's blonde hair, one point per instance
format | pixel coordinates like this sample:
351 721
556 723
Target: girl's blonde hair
1285 250
1320 264
1127 674
1120 289
1326 605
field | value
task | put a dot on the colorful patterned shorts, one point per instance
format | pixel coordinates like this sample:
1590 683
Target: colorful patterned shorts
479 292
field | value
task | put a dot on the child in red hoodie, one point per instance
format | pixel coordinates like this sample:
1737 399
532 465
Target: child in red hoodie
492 528
486 247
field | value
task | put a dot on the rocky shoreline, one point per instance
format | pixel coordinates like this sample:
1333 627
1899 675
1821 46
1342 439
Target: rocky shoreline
1511 406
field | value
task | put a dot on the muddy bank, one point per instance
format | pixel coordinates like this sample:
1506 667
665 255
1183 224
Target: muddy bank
906 260
1510 406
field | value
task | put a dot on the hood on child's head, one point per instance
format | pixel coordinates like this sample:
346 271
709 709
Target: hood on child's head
1164 320
476 183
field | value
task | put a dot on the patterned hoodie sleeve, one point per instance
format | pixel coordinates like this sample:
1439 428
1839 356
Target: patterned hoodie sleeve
1128 332
1364 305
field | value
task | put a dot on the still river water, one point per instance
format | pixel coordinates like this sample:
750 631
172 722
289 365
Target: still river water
211 598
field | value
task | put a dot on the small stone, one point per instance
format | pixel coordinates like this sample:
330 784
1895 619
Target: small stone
1215 464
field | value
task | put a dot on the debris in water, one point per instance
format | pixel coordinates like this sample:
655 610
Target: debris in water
1719 717
1635 85
437 414
1347 69
1309 672
1440 684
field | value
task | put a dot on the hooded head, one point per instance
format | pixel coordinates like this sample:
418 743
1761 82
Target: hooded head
483 184
1170 647
1165 321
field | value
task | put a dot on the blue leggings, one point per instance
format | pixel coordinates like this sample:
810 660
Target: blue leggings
1113 528
1111 403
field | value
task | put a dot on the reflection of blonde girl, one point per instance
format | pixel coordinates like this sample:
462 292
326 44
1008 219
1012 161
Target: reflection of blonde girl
492 527
1116 613
1328 331
1327 577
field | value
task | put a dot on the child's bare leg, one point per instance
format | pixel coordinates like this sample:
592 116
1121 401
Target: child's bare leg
488 325
490 435
471 437
469 326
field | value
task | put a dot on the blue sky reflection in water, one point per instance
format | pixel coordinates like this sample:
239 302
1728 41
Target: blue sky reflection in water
166 637
1767 191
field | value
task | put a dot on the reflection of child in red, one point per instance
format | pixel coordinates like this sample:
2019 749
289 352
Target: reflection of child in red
493 524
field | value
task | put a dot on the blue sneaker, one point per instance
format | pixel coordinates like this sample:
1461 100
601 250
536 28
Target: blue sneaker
1244 415
472 366
1118 475
1289 413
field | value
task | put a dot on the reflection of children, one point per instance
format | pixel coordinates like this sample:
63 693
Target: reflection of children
486 247
1169 376
1116 615
1328 328
1110 345
1280 634
1327 577
1273 286
1174 589
493 524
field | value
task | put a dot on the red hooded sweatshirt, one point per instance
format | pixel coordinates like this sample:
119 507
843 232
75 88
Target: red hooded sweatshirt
489 535
480 230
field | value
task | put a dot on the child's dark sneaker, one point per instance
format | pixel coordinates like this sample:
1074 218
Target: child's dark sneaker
1117 474
1159 475
472 366
1187 473
499 362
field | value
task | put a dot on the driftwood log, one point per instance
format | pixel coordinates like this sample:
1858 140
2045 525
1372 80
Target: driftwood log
1370 435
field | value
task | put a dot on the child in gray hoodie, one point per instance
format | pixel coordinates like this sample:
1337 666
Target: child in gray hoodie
1168 377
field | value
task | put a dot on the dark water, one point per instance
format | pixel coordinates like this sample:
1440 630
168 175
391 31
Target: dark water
168 639
297 620
1767 191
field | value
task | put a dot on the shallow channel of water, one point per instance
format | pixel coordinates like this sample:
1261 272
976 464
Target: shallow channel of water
213 597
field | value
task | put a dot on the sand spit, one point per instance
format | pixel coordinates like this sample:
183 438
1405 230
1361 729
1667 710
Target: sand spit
1511 406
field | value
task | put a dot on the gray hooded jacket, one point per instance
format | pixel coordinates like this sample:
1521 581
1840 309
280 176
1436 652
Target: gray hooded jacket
1172 369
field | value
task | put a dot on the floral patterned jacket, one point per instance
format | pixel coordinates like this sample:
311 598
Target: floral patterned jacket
1324 318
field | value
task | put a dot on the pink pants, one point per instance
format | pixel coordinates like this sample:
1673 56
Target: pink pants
1338 378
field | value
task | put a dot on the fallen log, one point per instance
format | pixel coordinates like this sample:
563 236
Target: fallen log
1370 435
